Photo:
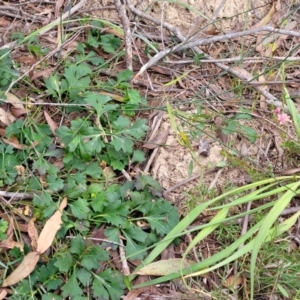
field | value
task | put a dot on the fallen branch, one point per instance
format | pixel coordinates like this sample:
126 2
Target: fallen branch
48 27
127 33
270 99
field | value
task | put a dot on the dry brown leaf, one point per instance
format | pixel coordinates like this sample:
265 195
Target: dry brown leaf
266 19
160 139
221 135
108 174
33 234
53 126
50 229
263 103
113 96
20 169
165 267
133 294
15 101
4 22
233 281
23 270
243 73
6 117
289 171
10 244
44 73
3 294
58 6
13 141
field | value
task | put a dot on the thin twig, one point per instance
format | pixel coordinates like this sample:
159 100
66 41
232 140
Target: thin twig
18 13
127 33
235 59
185 44
18 195
270 99
97 240
125 267
48 27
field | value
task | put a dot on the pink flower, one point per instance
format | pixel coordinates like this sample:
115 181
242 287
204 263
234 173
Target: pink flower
277 110
283 118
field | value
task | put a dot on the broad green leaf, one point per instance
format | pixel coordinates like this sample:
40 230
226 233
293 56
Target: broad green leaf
93 256
113 234
80 208
53 283
51 296
71 288
134 250
137 130
230 128
99 102
64 263
46 271
54 183
134 97
144 180
121 143
77 245
84 276
53 85
138 156
74 143
249 132
242 116
121 123
162 217
124 75
136 233
108 285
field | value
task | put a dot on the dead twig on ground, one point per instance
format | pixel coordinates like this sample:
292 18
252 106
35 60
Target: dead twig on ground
18 13
185 44
73 10
127 33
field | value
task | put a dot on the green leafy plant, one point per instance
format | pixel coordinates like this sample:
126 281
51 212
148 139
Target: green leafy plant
234 126
93 148
7 71
267 228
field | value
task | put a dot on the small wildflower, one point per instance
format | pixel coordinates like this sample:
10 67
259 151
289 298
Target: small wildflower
283 118
277 111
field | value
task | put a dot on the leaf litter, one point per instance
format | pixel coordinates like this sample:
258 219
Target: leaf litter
40 244
174 162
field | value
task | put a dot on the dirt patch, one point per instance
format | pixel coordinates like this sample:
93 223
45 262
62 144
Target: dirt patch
176 163
232 14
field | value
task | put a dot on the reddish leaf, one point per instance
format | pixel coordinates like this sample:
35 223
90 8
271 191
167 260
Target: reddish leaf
33 234
10 244
53 126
